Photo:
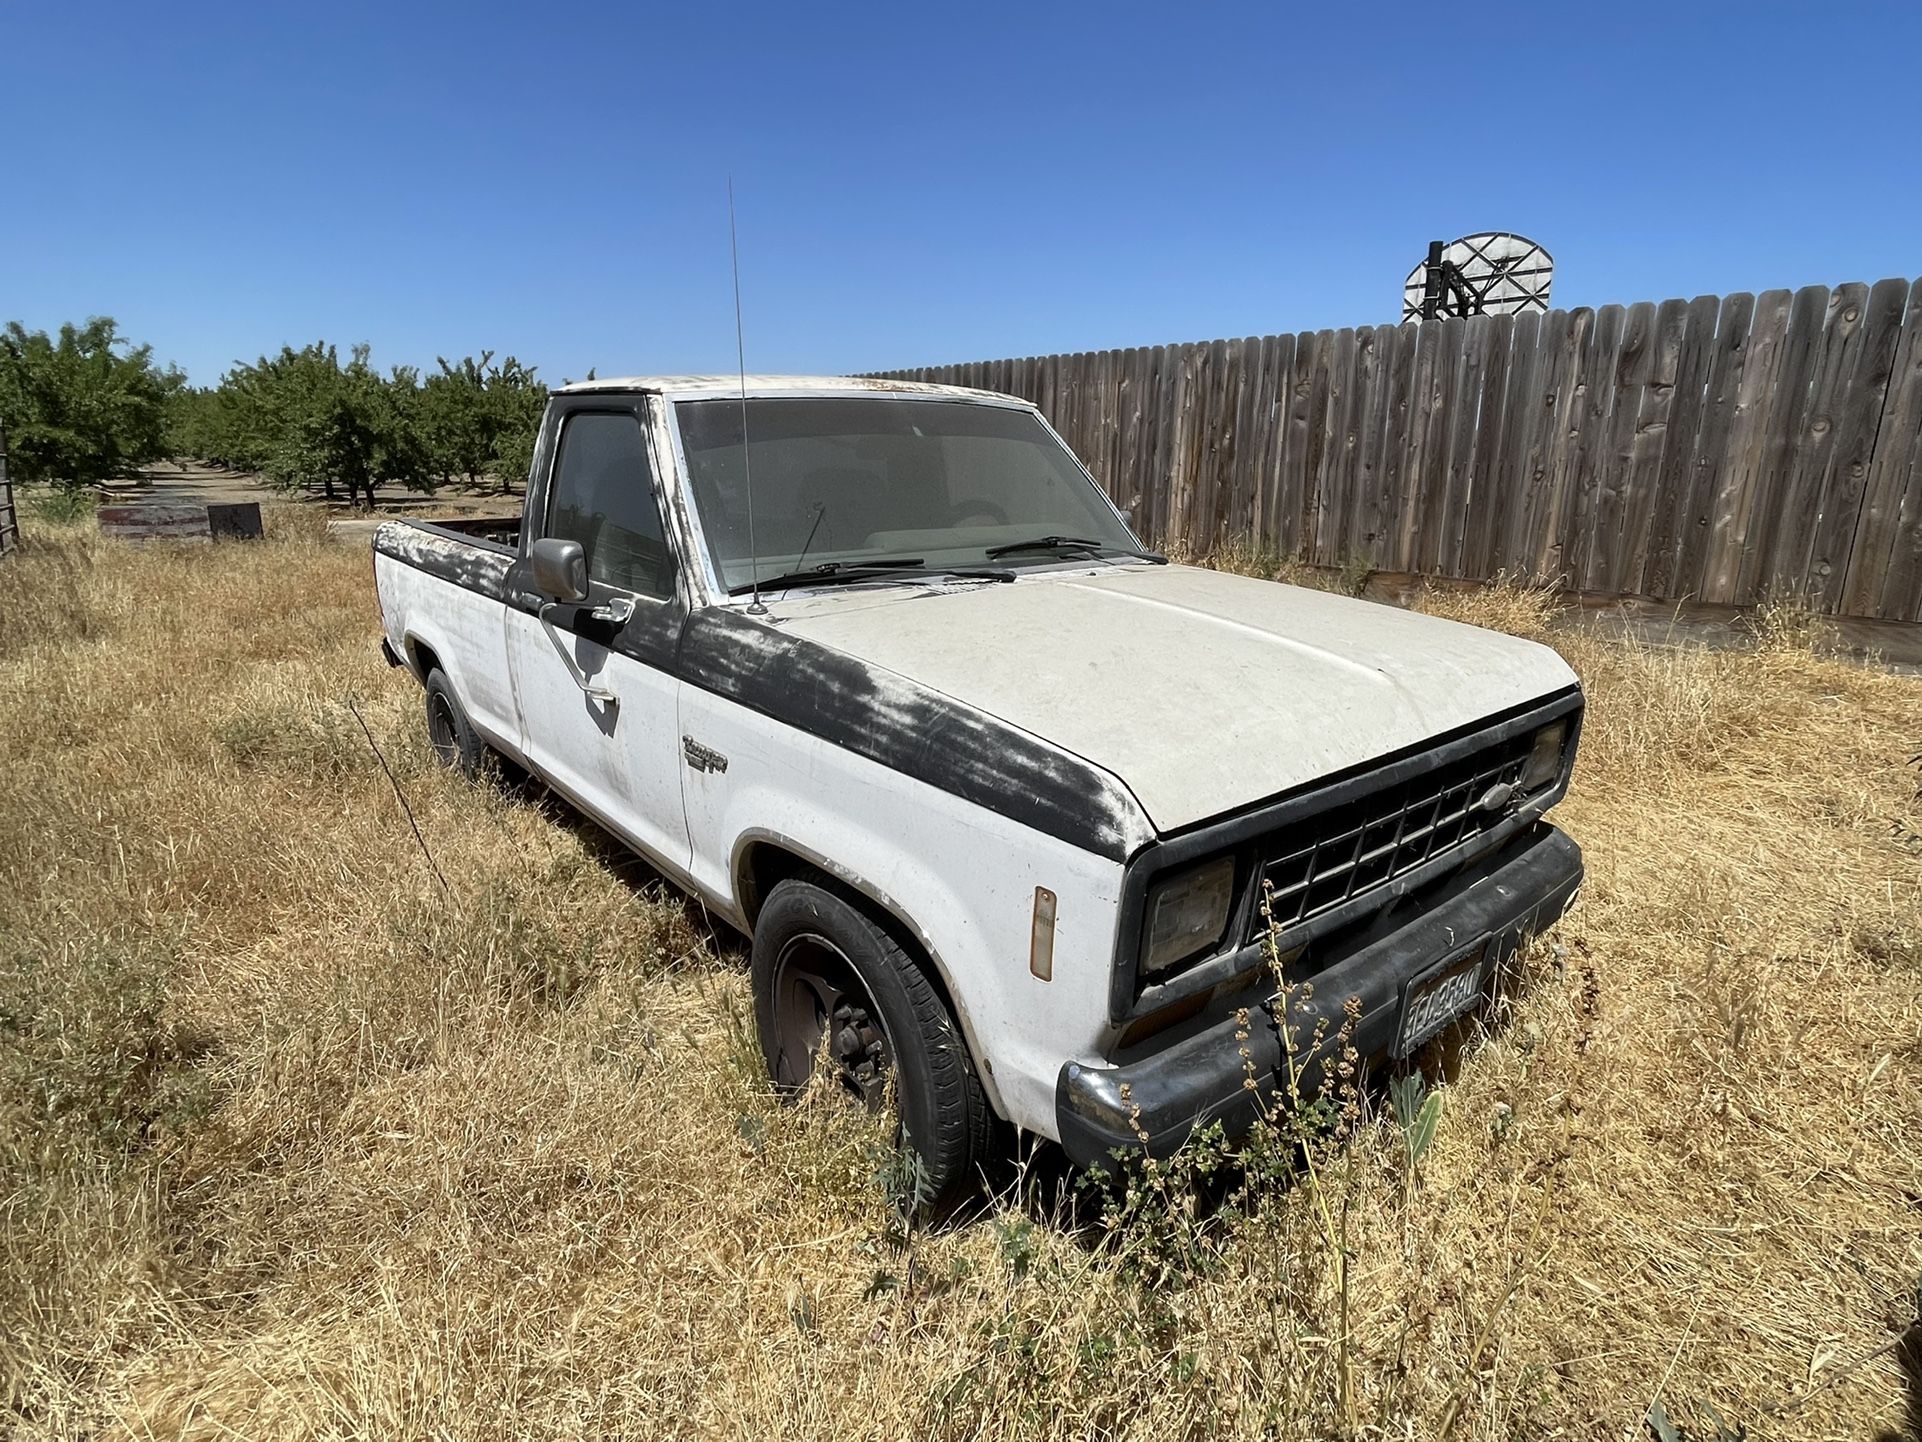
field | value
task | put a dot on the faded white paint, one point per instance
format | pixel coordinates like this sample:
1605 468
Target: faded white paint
1202 693
960 876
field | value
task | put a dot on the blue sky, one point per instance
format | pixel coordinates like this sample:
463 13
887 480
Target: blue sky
916 184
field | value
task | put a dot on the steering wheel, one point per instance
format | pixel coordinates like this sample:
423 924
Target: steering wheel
963 512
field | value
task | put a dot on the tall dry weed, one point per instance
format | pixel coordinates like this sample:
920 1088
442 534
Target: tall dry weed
294 1143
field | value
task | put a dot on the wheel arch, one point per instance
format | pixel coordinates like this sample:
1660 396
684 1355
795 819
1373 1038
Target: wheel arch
764 859
422 656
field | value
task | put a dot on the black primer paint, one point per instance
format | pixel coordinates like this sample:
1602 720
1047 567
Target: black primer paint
909 728
886 717
471 564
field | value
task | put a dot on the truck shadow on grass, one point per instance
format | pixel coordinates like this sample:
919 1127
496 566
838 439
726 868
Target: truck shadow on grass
619 860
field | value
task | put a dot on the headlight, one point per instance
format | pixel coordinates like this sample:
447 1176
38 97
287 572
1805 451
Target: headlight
1187 914
1545 761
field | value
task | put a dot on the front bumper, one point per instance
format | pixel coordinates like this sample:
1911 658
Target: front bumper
1204 1078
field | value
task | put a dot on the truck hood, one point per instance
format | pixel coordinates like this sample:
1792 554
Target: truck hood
1201 691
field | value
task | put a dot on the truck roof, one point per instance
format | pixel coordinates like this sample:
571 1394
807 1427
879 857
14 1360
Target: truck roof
775 385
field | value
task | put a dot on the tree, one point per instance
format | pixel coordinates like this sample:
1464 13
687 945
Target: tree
455 421
479 419
515 398
305 420
85 408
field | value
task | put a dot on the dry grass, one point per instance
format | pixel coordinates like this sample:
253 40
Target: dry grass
291 1145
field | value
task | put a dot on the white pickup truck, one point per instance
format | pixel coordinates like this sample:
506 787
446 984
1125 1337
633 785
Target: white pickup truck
1011 808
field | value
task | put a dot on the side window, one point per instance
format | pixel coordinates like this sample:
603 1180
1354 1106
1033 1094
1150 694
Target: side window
603 496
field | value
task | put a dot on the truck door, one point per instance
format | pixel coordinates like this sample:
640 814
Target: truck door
597 700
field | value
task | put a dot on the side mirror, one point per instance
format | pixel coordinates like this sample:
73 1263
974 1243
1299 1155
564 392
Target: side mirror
560 570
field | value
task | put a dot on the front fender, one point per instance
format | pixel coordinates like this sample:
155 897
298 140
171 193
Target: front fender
958 878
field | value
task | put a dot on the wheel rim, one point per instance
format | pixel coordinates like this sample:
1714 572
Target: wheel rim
817 994
440 728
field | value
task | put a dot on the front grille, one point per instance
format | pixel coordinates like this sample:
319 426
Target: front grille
1322 861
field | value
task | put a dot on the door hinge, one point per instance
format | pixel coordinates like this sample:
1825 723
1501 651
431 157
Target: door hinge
702 758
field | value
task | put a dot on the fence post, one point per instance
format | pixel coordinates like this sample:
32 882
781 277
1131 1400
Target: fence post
9 528
1432 282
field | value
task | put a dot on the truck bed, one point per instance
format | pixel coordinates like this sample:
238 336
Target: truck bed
497 530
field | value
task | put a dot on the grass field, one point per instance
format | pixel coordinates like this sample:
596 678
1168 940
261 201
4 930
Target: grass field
292 1144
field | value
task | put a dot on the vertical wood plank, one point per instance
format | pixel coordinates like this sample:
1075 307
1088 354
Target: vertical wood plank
1422 547
1185 364
1483 505
1785 563
1677 469
1902 587
1276 392
1324 532
1262 423
1877 564
1783 408
1539 554
1374 351
1464 429
1396 549
1654 403
1617 452
1111 367
1398 376
1293 490
1239 519
1712 448
1224 438
1523 431
1591 420
1165 401
1737 499
1858 418
1198 445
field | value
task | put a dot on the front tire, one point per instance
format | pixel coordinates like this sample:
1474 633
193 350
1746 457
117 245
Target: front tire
824 969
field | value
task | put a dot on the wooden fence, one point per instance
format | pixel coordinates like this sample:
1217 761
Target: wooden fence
1725 450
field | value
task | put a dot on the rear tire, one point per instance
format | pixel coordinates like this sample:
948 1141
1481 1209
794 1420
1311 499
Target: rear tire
823 967
452 737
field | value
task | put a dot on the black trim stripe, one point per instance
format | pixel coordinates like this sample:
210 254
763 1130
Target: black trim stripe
869 710
912 729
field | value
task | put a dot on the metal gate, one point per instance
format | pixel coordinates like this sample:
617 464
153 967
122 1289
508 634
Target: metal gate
9 527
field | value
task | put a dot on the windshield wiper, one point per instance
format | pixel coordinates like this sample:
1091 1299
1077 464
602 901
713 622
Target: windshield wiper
828 573
1064 545
840 573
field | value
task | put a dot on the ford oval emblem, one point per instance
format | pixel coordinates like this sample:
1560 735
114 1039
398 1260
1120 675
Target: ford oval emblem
1496 797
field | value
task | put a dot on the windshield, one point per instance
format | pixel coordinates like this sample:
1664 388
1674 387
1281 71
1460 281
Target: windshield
839 481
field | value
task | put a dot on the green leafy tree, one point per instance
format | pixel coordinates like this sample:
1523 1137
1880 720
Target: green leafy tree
82 408
455 421
478 419
306 421
516 397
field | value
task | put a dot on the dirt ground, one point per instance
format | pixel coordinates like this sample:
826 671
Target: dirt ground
189 483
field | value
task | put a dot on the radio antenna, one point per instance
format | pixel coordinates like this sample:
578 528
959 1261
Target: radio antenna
755 608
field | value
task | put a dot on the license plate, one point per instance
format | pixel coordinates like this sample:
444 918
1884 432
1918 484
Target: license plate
1438 998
